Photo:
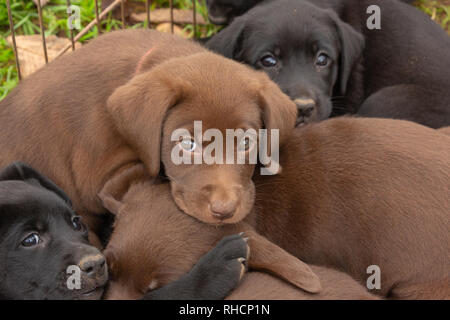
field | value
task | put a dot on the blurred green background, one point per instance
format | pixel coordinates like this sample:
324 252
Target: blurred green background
54 15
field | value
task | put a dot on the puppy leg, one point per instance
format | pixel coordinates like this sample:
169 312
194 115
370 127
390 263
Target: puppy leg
266 256
409 102
213 277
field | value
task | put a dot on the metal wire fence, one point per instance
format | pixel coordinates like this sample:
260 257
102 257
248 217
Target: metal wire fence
99 15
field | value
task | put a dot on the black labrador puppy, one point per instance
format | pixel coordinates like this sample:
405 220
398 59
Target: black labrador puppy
43 244
324 56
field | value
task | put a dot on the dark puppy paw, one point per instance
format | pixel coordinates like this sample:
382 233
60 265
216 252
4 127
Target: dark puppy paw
215 275
220 270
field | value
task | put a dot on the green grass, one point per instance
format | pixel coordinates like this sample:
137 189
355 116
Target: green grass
8 73
439 11
55 21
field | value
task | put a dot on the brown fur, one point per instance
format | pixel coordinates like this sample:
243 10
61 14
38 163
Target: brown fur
154 243
445 130
335 286
361 192
88 116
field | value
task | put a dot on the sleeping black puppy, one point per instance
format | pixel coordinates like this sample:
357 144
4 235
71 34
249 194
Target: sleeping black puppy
323 55
41 237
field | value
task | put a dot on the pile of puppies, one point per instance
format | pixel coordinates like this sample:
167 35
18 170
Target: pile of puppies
351 192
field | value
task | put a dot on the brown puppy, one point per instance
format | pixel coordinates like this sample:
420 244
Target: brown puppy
154 243
88 116
360 192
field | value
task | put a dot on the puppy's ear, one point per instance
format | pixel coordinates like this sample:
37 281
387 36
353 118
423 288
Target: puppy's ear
279 111
228 42
352 46
115 189
23 172
266 256
138 109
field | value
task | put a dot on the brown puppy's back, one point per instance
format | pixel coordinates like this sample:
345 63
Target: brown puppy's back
361 192
335 286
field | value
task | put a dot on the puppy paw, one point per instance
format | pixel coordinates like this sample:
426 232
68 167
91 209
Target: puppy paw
221 269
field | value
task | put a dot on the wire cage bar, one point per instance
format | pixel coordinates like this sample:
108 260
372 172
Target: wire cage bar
99 15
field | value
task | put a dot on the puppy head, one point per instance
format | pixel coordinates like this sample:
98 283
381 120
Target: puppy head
308 51
221 12
219 94
153 243
43 243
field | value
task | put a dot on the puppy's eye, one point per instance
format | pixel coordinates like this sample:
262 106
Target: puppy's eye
269 61
76 223
31 240
188 144
245 144
322 60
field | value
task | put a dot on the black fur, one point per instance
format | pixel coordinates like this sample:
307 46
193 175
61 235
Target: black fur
32 204
222 12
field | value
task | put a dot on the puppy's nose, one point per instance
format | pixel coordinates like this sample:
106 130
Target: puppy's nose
94 266
223 210
305 107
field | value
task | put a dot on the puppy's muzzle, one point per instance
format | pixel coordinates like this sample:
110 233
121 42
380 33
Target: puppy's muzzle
93 266
223 210
306 108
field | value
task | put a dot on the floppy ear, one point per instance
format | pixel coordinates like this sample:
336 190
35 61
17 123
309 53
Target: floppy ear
267 256
279 111
23 172
352 45
228 42
138 109
115 189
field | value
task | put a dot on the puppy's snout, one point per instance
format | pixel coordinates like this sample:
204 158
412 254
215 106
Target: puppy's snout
223 202
222 210
305 107
94 266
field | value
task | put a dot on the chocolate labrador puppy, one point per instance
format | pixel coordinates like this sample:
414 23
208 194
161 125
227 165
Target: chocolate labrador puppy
360 192
88 116
41 237
154 243
324 56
